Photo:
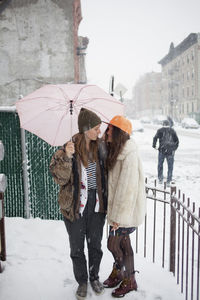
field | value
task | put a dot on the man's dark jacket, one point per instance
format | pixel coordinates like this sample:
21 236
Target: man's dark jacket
168 140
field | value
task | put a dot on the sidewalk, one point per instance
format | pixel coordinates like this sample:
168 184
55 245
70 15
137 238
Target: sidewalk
38 266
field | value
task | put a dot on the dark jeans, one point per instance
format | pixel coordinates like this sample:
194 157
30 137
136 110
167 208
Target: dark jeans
89 226
170 163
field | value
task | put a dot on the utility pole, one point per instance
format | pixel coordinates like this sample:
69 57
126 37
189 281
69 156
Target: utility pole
111 86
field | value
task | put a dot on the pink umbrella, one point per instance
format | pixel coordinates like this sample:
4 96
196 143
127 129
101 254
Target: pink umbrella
51 112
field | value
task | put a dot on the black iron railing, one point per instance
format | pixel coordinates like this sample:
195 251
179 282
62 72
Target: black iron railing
170 236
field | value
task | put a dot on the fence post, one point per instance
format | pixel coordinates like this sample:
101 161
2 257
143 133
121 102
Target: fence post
2 230
3 184
172 258
25 175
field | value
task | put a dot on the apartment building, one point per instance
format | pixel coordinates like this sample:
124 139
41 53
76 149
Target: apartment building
180 92
147 95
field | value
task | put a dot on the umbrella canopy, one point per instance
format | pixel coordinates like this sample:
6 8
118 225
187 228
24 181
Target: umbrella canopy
51 112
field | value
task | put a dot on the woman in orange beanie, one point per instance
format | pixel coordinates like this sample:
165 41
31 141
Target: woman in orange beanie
126 203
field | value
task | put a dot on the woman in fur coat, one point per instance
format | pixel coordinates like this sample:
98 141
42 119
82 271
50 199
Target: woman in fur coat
78 168
126 203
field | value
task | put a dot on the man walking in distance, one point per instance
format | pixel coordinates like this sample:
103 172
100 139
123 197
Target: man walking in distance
168 143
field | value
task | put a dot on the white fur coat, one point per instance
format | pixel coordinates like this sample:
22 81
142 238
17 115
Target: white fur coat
126 189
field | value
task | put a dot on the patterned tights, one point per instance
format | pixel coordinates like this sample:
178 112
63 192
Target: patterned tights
121 249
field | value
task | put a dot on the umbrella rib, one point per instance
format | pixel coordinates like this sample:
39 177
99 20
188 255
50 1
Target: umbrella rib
40 114
79 92
51 85
98 98
98 112
64 94
29 99
58 127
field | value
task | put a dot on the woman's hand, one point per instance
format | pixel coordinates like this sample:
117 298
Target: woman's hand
69 149
115 226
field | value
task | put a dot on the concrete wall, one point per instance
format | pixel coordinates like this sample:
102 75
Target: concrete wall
36 46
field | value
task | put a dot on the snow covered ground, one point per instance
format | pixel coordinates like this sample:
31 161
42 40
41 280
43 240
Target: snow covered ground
38 265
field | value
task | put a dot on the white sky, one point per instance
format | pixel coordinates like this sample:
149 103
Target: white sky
129 37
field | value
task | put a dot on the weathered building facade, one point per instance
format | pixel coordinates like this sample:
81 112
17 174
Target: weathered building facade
147 95
39 44
181 79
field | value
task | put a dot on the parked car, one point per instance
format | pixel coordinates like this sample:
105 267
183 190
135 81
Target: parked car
145 120
137 125
189 123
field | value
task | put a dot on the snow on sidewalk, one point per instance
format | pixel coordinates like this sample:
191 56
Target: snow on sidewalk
39 267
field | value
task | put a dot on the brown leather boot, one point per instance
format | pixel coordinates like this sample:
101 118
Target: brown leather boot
127 285
114 278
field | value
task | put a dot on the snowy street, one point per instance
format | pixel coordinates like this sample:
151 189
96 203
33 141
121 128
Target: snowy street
186 164
39 267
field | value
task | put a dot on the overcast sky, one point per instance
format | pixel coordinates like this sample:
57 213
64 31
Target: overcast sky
127 38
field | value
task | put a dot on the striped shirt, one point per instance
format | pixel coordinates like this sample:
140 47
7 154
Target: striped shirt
91 175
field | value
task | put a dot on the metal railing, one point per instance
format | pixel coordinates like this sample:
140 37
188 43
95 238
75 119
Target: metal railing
171 236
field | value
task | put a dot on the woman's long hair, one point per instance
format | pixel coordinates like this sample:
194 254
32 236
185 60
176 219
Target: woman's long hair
80 149
119 138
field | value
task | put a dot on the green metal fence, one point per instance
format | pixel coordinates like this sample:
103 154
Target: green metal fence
42 191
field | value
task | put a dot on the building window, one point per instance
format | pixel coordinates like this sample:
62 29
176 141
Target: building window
188 91
192 55
188 75
192 74
187 108
192 107
192 90
183 93
183 77
183 108
188 59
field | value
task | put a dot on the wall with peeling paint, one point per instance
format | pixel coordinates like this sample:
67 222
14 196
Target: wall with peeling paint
36 46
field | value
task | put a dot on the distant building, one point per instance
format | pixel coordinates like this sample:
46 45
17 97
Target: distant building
39 45
181 79
147 95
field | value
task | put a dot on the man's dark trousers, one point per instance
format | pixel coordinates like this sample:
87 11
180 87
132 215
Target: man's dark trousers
170 163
